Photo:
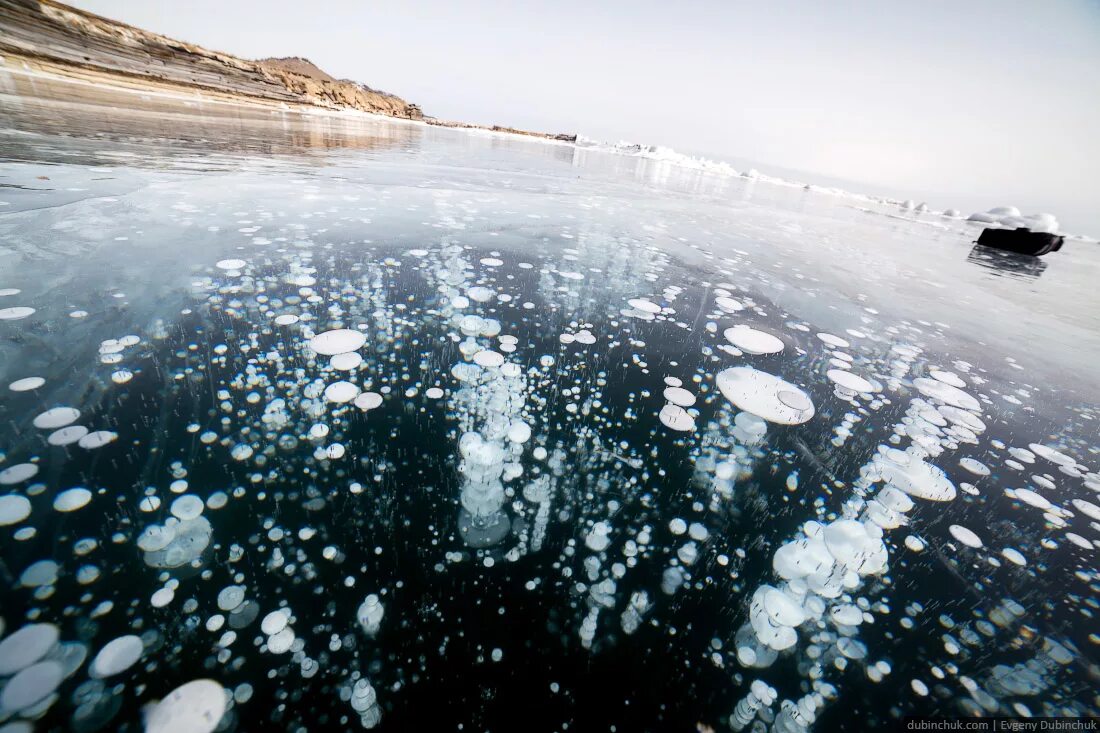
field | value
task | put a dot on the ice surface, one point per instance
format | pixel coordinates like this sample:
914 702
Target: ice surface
377 425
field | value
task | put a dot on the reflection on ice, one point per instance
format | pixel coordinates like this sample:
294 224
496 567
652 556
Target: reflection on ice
1007 264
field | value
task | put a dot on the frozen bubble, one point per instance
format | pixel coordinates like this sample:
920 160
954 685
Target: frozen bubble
1014 556
782 609
677 526
241 452
727 304
156 537
853 545
801 558
370 613
67 435
26 384
26 646
286 319
677 418
1023 455
15 313
32 685
41 573
341 392
346 362
162 597
846 614
231 264
488 358
195 707
598 539
753 341
480 294
776 637
947 378
851 648
1032 498
281 642
56 417
945 393
187 506
1052 455
974 466
244 614
835 341
117 656
965 536
519 431
18 473
368 400
98 439
72 499
961 417
644 305
848 380
230 597
916 544
765 395
13 509
1087 508
919 687
893 498
1044 482
679 396
917 478
433 393
274 622
122 376
338 341
1078 540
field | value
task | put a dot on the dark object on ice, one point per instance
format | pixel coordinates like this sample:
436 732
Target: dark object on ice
1021 241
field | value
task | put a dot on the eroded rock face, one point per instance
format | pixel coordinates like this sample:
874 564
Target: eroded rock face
84 44
303 78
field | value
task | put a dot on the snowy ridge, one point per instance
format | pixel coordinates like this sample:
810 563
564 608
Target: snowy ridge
669 155
1003 216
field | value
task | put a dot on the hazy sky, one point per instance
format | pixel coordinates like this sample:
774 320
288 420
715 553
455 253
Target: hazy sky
992 102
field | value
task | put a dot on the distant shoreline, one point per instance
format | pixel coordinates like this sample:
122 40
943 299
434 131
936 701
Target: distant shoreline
52 39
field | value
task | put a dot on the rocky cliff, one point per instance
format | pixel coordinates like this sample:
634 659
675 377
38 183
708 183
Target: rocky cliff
302 77
57 38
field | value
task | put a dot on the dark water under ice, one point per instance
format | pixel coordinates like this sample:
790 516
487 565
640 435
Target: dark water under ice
555 543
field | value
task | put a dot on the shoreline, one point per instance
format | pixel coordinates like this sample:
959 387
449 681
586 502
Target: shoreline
107 82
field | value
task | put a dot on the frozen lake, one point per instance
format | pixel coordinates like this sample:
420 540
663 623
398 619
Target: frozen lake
368 424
